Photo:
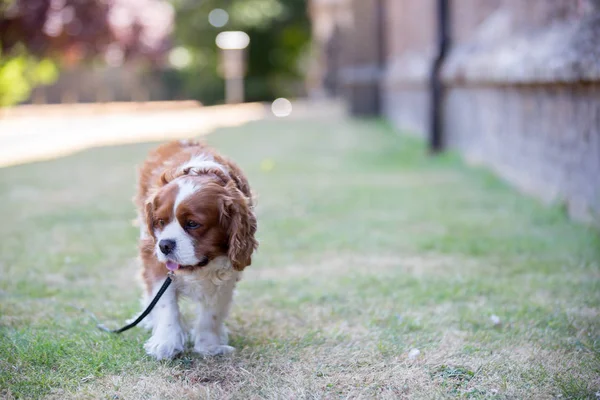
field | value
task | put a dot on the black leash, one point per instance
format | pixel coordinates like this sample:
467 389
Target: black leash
143 315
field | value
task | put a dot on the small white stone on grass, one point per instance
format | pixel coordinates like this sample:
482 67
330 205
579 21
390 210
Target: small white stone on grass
414 353
495 319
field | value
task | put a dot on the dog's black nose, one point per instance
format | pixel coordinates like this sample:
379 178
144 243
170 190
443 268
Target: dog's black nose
166 246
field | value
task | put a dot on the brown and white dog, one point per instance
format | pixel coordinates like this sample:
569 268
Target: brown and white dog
197 218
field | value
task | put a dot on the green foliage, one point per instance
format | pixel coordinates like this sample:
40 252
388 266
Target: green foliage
255 13
19 74
279 33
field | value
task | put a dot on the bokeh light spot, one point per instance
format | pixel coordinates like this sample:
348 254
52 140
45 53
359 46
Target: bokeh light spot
53 25
218 18
267 165
180 57
281 107
114 55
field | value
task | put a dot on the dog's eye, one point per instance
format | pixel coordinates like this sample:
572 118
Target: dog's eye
191 224
161 223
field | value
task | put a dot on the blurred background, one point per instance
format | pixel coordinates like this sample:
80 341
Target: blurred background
510 84
65 51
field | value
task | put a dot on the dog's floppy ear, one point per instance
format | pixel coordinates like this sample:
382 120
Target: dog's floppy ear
149 207
238 216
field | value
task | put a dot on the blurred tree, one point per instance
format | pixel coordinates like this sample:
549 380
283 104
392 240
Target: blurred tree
279 33
36 36
19 73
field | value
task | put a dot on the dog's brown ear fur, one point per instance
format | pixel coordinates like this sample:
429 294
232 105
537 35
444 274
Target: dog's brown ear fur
238 214
173 173
149 207
169 175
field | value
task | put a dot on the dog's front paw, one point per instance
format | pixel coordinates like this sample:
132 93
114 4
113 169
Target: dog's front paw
213 350
165 345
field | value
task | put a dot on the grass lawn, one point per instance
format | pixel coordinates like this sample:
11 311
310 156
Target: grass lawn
369 250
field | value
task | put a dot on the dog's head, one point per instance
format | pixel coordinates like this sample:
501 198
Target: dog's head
197 218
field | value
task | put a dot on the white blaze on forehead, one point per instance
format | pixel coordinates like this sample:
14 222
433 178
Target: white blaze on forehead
186 189
203 162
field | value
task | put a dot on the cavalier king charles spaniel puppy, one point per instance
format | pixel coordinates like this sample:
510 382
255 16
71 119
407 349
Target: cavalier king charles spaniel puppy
196 216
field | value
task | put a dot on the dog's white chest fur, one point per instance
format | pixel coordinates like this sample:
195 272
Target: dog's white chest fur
208 285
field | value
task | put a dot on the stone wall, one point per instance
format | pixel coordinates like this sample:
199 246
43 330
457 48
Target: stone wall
542 138
522 85
523 96
411 29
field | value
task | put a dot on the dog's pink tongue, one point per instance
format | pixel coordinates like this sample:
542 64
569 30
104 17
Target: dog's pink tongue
171 266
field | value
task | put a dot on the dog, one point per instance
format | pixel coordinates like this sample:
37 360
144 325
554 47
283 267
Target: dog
196 216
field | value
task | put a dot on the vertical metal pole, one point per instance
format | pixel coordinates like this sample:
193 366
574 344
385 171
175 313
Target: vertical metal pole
381 54
436 137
